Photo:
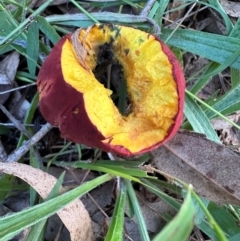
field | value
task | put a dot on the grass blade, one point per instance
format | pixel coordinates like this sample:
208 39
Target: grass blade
220 236
137 211
219 49
48 30
37 230
12 224
181 226
235 77
227 103
128 173
115 231
25 22
32 47
198 119
204 78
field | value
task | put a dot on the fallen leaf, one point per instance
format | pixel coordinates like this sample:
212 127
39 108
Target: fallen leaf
211 168
231 8
174 16
74 216
153 213
18 105
8 69
228 134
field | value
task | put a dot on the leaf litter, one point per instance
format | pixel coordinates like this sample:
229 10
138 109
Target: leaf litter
74 215
211 168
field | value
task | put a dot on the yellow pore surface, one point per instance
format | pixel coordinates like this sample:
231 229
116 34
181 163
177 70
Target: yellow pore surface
150 85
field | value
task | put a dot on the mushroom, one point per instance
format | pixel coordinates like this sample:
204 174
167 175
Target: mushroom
74 98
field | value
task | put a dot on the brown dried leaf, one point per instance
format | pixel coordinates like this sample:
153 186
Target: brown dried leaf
18 105
229 135
8 69
211 168
232 8
74 215
175 15
153 211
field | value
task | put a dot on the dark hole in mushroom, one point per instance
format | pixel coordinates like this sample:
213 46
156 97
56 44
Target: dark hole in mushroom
109 72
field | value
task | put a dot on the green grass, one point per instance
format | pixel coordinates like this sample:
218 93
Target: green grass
23 29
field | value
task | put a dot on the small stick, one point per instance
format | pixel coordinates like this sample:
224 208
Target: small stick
17 88
23 130
147 8
16 123
144 13
17 154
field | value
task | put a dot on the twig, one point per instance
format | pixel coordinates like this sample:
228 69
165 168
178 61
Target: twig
157 29
16 123
180 19
12 125
17 88
144 13
147 8
98 206
185 16
16 155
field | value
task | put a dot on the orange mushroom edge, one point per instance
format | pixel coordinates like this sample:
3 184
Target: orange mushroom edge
74 97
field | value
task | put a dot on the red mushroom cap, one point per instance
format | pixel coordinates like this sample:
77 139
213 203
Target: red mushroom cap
73 99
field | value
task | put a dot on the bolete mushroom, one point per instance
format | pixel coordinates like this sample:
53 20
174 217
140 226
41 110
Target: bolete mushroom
72 98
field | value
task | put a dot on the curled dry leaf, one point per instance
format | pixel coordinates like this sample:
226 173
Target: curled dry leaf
8 69
87 114
211 168
74 216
